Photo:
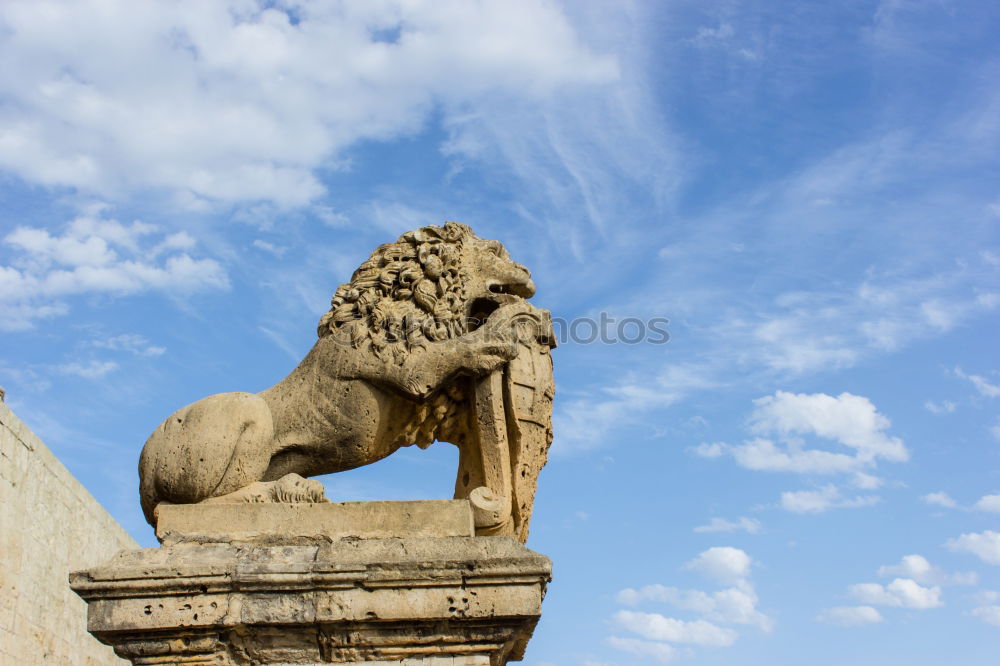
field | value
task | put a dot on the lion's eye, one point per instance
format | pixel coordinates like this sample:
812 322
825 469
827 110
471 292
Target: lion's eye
496 248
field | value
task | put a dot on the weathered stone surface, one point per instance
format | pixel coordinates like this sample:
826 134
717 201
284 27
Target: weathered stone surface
426 600
49 525
432 340
227 523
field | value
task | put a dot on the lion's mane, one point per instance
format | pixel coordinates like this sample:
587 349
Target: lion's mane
406 294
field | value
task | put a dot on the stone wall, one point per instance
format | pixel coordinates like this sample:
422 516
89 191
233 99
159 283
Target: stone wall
49 525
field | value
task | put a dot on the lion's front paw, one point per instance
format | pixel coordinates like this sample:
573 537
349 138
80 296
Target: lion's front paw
485 358
290 488
294 488
505 350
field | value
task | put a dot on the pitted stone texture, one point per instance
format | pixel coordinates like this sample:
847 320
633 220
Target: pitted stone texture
345 601
226 523
49 525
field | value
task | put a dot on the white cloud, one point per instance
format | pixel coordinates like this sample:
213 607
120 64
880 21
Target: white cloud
989 503
984 545
981 384
234 101
90 370
764 455
826 498
901 592
723 563
849 419
711 450
940 499
749 525
919 569
654 626
130 342
988 614
660 652
731 605
850 616
943 407
866 481
96 255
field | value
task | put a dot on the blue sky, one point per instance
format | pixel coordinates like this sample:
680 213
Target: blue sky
806 473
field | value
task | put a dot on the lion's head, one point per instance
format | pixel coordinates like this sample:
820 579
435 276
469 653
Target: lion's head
432 284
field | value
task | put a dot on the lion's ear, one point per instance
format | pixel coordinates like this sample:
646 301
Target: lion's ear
453 231
431 233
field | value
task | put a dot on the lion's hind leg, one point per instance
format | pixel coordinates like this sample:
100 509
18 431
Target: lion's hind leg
211 447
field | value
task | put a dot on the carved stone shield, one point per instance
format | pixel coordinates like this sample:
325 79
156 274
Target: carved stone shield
511 429
529 389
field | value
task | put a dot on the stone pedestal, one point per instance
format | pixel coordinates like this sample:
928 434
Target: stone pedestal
274 593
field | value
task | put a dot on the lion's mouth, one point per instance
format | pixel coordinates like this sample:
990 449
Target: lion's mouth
499 294
482 307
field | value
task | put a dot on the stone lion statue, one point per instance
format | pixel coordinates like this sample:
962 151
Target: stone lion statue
432 340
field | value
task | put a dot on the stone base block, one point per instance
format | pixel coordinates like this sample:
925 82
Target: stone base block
286 523
439 601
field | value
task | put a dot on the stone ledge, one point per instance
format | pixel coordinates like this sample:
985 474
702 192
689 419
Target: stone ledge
288 523
344 601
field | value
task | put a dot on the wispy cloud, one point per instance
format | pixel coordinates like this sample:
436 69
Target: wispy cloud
748 525
850 616
130 342
88 370
981 383
270 248
942 499
583 421
822 500
988 614
943 407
